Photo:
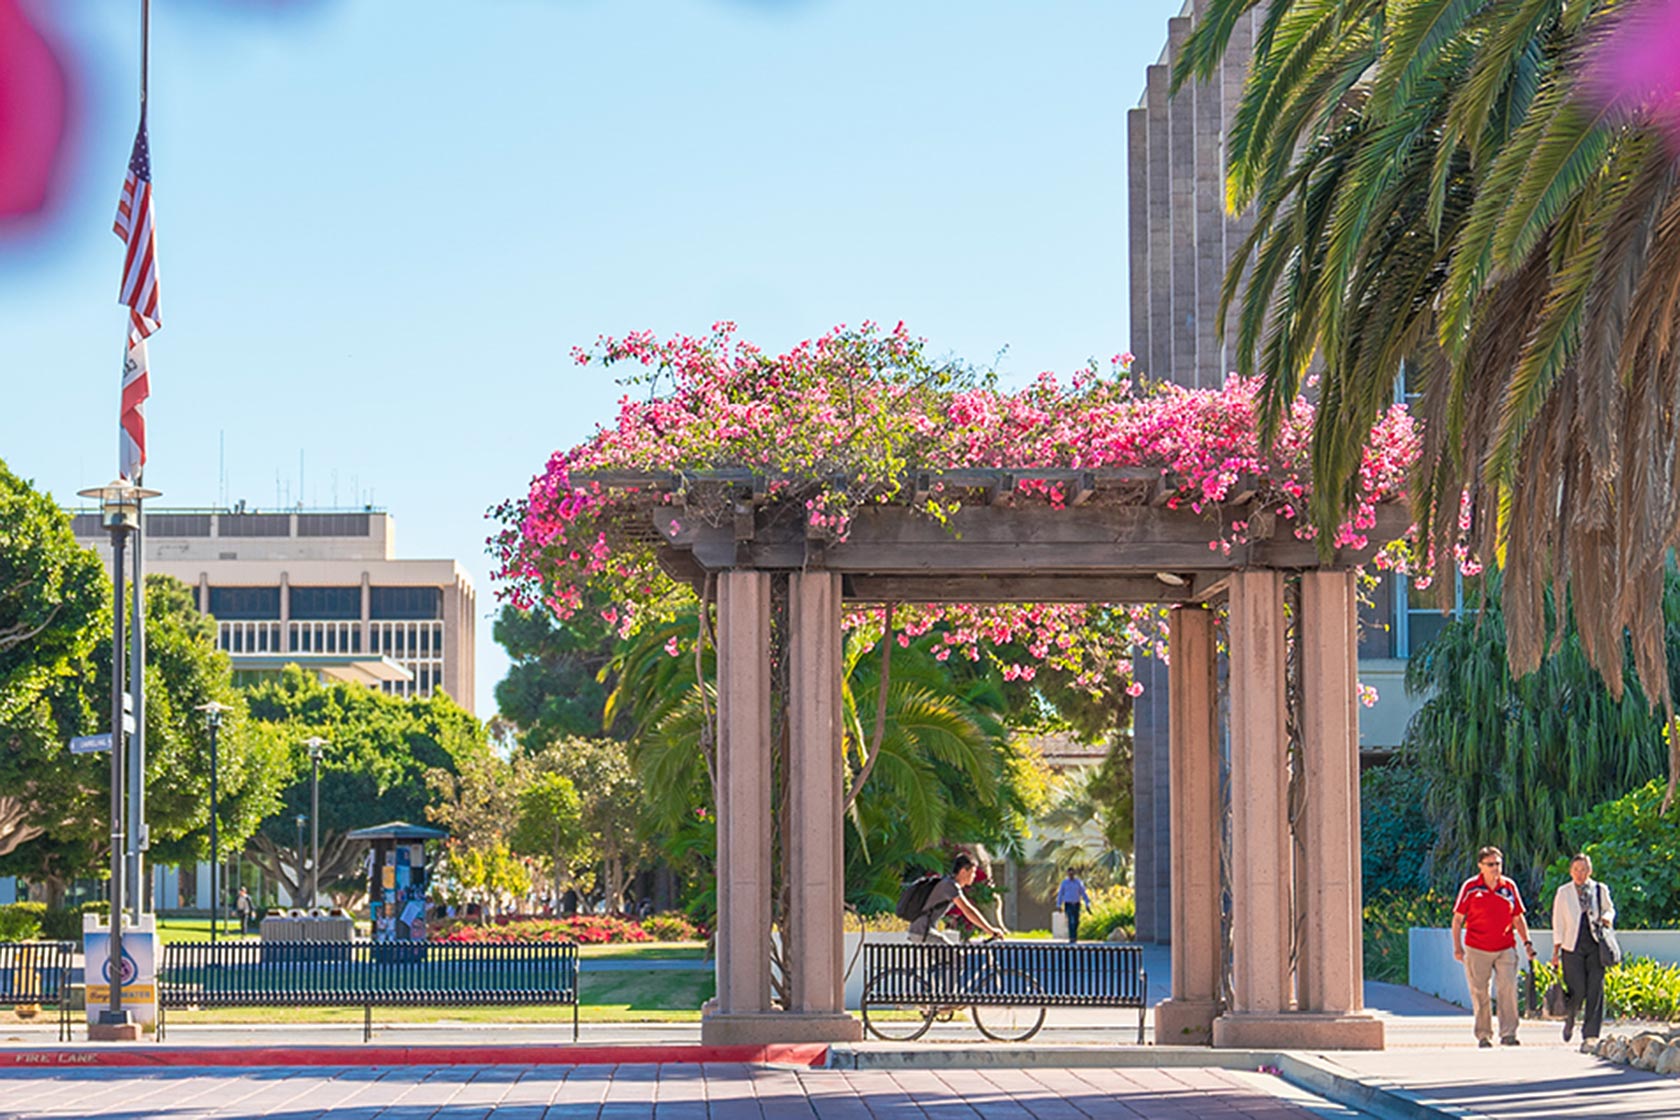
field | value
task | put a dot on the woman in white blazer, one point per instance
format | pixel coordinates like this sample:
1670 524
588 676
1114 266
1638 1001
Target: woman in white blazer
1580 910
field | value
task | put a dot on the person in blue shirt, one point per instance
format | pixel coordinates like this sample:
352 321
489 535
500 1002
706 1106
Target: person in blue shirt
1070 896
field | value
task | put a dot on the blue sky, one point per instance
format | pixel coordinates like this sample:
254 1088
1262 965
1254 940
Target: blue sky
383 224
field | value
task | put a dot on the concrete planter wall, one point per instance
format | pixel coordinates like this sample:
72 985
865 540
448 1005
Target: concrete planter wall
1432 968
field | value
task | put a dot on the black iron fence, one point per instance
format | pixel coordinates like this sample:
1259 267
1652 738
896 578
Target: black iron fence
368 974
37 973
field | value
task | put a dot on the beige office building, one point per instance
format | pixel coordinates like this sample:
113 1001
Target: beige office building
321 589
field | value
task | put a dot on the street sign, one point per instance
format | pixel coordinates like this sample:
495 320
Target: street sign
89 744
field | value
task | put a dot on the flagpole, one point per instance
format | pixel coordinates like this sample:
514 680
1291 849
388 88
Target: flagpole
139 839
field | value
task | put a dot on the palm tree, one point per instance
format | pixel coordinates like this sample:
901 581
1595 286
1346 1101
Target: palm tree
1435 185
939 769
1508 762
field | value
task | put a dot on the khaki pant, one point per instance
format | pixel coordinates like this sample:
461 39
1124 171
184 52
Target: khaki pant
1479 967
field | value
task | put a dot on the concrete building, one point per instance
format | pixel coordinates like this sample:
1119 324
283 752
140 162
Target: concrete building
1182 237
318 588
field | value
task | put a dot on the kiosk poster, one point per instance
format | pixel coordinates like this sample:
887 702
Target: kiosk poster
139 969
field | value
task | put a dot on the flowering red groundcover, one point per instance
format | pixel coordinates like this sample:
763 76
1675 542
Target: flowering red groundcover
585 930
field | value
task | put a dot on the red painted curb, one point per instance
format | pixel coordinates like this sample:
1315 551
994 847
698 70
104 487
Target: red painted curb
804 1054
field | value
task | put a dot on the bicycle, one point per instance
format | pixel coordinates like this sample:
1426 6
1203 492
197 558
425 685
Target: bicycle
900 1004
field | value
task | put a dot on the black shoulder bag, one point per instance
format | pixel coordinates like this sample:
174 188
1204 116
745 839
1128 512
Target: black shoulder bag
1609 949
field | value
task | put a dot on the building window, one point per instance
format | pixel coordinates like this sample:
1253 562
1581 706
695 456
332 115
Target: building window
87 525
1421 619
254 525
326 603
1377 631
332 525
178 525
231 604
407 603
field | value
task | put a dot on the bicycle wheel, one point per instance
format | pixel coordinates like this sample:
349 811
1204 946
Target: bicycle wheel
897 1005
1010 1012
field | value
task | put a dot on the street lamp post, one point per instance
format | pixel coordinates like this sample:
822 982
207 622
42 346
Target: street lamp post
315 744
119 503
301 817
213 716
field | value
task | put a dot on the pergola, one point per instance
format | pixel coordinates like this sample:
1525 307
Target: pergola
1296 958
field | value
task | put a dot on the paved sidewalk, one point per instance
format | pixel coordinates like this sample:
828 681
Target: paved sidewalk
1527 1083
1430 1069
651 1092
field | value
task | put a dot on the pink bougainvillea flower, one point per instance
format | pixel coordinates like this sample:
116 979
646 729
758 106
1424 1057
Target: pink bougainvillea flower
34 110
1634 71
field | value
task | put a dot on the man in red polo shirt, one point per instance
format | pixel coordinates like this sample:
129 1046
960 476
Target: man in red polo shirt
1487 921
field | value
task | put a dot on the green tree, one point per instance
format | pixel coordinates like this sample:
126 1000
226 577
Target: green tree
1510 761
373 770
549 825
609 812
553 688
478 800
1396 836
53 611
492 876
184 669
1433 185
1076 829
1632 844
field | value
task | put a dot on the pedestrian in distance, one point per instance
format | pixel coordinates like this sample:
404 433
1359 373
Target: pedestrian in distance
1581 911
1487 923
245 908
946 893
1070 896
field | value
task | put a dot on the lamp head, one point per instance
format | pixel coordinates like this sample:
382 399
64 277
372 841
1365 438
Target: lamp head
119 502
316 745
213 712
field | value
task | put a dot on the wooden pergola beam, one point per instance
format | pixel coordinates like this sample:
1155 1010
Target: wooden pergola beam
1023 540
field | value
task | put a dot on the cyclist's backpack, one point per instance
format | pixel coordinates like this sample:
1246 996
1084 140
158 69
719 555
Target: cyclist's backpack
912 901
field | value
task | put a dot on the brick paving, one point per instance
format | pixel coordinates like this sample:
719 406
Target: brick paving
650 1092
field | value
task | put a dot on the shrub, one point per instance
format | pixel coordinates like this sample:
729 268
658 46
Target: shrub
65 924
1632 848
584 929
1638 988
885 922
670 927
1388 917
1110 907
1396 838
21 921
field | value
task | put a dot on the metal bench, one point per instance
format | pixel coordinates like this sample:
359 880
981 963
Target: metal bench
908 986
38 972
367 974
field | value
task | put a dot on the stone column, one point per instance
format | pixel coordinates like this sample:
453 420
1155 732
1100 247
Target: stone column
743 804
815 837
1265 1011
1260 855
1197 817
1331 972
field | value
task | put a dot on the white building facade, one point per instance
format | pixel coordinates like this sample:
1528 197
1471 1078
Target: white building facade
321 589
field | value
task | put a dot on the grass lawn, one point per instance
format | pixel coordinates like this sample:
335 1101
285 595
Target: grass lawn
645 951
608 997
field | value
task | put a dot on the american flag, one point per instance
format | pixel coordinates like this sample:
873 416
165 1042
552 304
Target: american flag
140 295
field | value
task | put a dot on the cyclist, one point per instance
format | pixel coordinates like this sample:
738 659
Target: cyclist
948 892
